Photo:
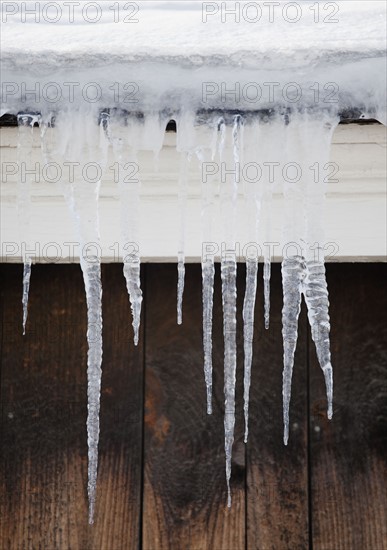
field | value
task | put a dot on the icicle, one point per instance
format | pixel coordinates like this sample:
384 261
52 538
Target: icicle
293 273
272 150
303 272
248 332
129 189
208 275
228 272
253 197
316 298
183 182
267 261
266 283
208 260
26 122
317 137
75 136
92 280
27 267
293 266
229 193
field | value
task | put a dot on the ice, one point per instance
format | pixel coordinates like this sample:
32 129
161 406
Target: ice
316 298
127 177
27 267
293 273
183 182
228 273
248 332
253 191
303 272
229 195
77 140
266 285
92 281
212 153
208 276
196 69
26 123
267 257
318 136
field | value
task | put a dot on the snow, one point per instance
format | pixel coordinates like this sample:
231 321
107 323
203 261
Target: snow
183 31
173 58
118 85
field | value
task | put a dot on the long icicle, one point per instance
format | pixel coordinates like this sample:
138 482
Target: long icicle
26 122
229 294
208 259
317 137
303 273
82 198
93 287
252 198
248 333
182 198
293 267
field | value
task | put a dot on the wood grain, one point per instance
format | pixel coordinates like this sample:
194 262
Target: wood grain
185 488
348 454
166 490
277 481
43 394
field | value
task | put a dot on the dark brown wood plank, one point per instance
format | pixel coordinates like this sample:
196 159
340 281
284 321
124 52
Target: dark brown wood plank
349 453
43 464
184 487
277 476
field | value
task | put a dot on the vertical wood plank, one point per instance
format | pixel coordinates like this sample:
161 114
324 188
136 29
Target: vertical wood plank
277 476
185 487
349 453
43 463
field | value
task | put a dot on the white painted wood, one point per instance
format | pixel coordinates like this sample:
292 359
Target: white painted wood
355 211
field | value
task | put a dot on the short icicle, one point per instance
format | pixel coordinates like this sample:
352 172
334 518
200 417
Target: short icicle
248 333
293 273
267 260
26 123
129 191
316 298
182 198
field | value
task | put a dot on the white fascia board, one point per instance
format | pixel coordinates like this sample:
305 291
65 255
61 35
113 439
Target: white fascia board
356 207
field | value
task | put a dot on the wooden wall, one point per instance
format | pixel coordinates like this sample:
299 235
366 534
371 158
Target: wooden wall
161 471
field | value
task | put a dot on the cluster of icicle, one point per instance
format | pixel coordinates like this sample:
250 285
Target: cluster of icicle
231 138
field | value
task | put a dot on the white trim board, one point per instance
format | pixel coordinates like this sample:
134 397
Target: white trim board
356 207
